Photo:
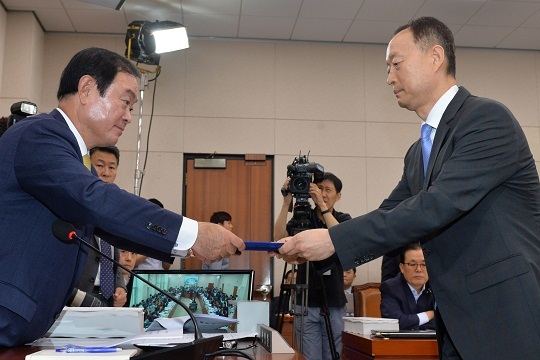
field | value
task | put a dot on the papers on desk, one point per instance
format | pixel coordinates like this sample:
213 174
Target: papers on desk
364 325
149 338
99 322
90 327
53 355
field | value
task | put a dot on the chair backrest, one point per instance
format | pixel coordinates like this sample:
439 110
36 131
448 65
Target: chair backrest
367 300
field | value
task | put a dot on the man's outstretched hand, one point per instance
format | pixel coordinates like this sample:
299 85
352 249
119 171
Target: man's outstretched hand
308 245
214 243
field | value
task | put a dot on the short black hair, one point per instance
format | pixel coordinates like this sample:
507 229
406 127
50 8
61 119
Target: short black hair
219 217
428 31
353 269
107 149
156 201
408 247
101 64
3 124
334 179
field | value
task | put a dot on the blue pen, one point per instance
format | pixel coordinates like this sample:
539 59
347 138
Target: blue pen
88 349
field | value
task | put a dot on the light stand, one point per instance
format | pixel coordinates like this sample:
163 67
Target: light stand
139 173
145 42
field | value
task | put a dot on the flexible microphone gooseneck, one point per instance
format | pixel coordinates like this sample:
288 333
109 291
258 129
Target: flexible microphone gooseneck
65 231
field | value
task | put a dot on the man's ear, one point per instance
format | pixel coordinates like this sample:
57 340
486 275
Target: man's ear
86 83
437 54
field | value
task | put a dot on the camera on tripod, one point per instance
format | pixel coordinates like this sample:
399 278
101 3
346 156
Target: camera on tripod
302 173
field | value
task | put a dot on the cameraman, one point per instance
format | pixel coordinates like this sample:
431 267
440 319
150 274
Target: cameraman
315 343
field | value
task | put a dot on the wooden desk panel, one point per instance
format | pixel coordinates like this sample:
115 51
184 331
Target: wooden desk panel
363 347
258 353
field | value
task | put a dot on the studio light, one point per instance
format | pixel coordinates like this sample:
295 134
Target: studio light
21 110
146 40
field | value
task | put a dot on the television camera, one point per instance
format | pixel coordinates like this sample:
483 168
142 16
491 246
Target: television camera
301 173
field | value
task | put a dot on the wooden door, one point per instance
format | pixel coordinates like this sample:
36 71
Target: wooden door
244 190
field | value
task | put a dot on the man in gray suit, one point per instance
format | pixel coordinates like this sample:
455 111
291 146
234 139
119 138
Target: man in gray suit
474 206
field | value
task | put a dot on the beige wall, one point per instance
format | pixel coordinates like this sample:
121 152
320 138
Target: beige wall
23 65
3 25
279 98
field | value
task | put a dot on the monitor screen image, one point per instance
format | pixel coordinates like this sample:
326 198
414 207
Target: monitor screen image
202 291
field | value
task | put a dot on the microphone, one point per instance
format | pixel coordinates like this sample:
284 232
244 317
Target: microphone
65 231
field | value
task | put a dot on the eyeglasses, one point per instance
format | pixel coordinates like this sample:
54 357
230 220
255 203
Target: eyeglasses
414 266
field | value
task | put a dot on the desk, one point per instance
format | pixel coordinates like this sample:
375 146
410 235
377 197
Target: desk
363 347
258 353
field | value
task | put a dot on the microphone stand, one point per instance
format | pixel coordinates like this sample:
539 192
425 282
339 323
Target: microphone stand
196 349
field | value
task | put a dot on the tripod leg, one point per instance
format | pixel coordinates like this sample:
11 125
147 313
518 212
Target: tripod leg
325 313
284 294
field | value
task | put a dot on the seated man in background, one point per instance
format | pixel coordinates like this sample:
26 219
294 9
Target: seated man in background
127 259
97 287
406 296
348 279
224 219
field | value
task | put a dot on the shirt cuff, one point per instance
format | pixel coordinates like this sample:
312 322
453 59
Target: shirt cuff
423 318
186 237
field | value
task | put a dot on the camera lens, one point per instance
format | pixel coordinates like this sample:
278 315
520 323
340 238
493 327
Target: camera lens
301 184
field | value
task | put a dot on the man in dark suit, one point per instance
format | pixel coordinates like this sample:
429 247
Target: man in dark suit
105 160
43 178
476 210
405 297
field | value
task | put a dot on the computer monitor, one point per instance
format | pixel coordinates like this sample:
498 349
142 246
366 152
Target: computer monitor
203 291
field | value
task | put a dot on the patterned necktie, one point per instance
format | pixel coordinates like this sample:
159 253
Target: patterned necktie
106 273
87 162
426 144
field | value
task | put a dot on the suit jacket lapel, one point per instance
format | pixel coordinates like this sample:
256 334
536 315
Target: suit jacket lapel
442 130
409 297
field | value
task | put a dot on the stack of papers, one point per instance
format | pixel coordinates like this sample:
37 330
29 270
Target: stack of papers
100 322
364 325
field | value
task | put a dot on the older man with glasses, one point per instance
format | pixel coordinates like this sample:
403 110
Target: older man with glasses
407 296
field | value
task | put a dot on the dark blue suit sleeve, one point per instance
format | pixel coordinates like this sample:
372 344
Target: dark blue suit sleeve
56 177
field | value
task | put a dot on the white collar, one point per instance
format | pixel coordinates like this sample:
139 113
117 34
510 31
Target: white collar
80 141
436 113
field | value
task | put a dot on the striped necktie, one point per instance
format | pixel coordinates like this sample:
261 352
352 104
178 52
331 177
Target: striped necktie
87 162
426 144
